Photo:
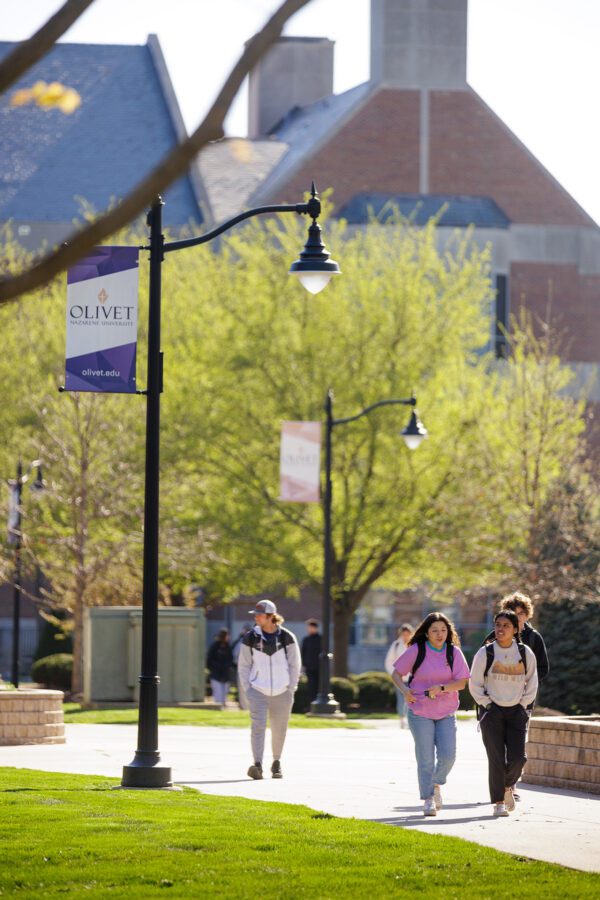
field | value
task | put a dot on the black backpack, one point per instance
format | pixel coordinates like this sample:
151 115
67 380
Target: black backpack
421 650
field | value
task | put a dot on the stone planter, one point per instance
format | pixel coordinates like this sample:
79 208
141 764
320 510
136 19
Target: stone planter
564 752
31 717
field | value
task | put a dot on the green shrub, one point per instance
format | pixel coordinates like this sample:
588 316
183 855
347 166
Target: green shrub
376 691
345 692
301 702
569 628
54 671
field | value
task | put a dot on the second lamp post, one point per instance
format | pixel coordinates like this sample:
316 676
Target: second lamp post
325 704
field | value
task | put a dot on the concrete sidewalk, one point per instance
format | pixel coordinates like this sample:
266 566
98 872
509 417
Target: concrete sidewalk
367 774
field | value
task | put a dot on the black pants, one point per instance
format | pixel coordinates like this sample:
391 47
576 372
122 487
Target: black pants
313 684
504 732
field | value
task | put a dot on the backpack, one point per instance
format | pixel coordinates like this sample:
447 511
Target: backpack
421 650
489 661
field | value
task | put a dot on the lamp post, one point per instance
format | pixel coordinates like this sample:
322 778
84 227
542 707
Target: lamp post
15 538
325 704
314 268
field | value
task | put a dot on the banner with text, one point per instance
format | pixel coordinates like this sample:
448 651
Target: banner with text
300 457
102 313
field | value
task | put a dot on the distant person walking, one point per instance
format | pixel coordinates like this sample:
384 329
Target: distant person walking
269 669
219 662
311 652
503 684
522 605
437 671
396 649
236 647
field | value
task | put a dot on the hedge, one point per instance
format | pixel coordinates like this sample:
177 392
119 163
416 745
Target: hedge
54 671
344 691
570 630
376 691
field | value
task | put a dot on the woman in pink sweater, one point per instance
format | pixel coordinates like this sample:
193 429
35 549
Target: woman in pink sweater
438 671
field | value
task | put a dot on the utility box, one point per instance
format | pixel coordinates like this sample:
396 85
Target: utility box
112 654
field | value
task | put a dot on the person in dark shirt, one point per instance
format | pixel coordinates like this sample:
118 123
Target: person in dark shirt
523 607
219 662
311 651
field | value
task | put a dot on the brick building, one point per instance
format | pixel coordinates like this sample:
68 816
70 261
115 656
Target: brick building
418 135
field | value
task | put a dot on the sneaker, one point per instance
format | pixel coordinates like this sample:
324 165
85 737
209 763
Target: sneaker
500 809
276 769
509 799
255 771
437 796
429 807
516 796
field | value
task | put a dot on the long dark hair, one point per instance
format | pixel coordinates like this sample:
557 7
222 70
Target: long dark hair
420 635
512 618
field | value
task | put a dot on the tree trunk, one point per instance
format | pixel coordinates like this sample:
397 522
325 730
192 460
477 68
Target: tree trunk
342 619
77 676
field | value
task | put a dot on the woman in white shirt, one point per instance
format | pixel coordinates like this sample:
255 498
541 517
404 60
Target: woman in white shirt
396 649
504 683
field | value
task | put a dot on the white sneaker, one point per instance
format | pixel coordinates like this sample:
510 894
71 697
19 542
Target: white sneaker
509 800
500 809
429 807
437 796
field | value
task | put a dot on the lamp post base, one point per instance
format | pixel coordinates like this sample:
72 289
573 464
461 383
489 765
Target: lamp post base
145 771
326 708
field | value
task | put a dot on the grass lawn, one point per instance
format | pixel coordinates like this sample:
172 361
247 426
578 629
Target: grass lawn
175 715
72 835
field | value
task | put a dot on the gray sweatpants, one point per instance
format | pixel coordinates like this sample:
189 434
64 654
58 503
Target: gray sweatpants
278 709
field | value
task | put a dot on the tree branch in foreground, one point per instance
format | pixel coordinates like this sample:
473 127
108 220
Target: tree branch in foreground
172 167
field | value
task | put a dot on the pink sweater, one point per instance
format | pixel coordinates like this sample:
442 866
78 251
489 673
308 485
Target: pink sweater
433 670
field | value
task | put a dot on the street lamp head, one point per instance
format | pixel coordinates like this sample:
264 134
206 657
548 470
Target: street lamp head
314 267
39 485
414 432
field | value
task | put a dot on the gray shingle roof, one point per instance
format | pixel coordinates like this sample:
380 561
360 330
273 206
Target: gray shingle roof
233 169
454 211
122 129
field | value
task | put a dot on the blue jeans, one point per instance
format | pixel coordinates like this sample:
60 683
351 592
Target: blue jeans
433 738
400 702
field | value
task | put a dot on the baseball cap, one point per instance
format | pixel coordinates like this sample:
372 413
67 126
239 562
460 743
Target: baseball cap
263 606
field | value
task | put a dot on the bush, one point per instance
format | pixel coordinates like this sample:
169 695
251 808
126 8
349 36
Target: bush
301 702
54 671
376 691
345 692
568 628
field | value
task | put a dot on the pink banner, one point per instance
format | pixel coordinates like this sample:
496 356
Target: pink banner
300 459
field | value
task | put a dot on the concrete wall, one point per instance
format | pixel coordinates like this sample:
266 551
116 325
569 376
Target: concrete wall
112 654
564 753
419 43
294 72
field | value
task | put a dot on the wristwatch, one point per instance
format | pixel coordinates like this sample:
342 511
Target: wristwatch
442 688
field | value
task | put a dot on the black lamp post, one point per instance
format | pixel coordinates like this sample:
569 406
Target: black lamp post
325 704
15 538
314 268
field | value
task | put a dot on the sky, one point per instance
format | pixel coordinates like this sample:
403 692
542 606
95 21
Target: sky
535 62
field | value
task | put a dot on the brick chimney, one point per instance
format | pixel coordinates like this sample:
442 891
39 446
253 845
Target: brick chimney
296 71
419 44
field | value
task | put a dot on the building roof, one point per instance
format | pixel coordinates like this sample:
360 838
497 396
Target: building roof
233 169
452 211
126 123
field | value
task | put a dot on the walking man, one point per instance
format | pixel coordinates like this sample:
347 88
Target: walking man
269 669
